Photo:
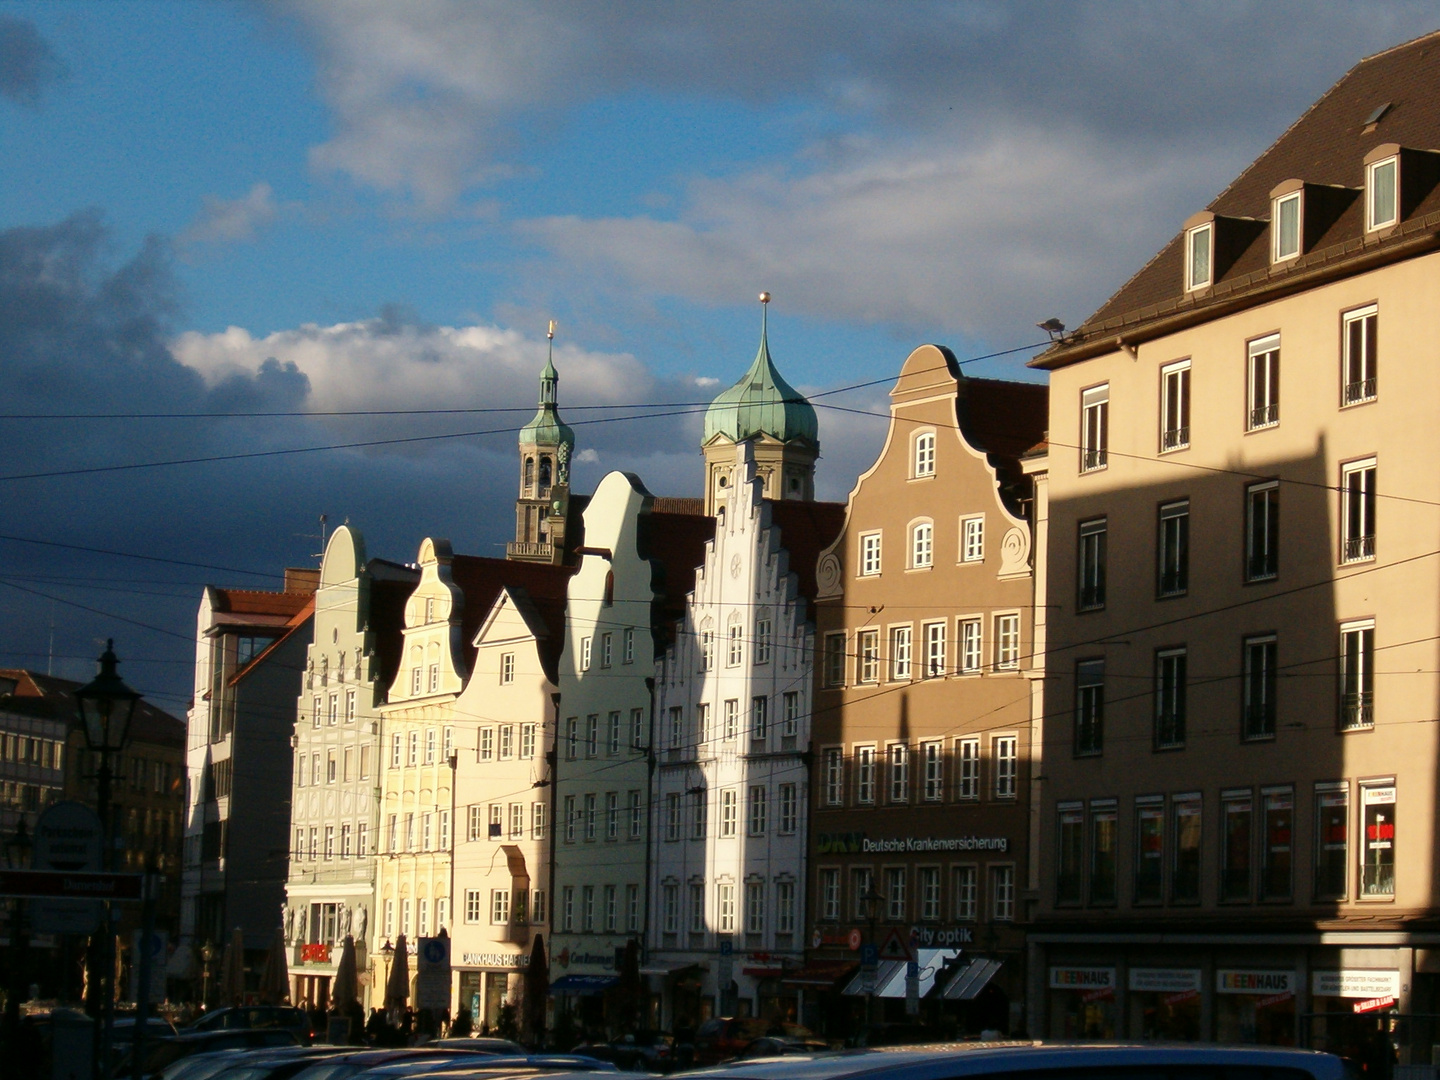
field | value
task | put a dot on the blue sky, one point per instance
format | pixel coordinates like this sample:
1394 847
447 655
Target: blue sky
391 200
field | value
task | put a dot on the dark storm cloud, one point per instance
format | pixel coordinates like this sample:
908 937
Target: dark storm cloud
27 63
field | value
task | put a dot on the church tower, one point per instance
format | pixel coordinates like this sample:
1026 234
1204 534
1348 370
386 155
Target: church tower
766 410
546 446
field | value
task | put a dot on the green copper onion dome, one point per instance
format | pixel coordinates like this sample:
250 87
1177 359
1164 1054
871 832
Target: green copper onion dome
547 429
762 402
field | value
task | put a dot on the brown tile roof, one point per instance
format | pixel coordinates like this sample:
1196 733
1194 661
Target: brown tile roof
1325 146
675 544
806 529
675 504
481 579
257 602
298 623
48 698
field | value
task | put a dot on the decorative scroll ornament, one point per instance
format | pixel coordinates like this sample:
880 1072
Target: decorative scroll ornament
1015 553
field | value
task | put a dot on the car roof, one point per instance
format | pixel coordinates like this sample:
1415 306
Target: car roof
938 1062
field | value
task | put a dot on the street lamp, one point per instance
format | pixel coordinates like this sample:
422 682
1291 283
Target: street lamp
872 900
106 706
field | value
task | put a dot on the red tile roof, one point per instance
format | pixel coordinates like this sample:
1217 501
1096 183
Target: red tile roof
481 579
1326 146
256 602
675 544
806 529
677 504
49 698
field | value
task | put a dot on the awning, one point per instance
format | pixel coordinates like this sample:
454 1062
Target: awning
891 974
970 980
581 985
884 972
772 972
824 973
669 969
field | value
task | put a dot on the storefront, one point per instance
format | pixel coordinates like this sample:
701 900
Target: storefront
1255 1006
1082 1003
487 982
1165 1003
1350 1009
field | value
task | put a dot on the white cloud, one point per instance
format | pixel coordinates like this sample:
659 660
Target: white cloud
231 221
588 456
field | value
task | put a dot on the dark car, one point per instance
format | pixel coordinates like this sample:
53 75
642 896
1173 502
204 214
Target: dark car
780 1045
723 1037
481 1044
490 1067
342 1066
894 1035
272 1064
160 1053
212 1064
259 1016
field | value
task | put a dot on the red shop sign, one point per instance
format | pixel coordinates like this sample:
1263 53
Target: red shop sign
316 953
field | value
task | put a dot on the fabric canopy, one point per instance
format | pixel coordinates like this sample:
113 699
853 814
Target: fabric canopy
970 980
583 984
824 973
890 976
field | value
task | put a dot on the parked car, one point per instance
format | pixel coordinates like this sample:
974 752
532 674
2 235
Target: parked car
208 1065
899 1034
272 1064
1097 1061
488 1066
780 1045
258 1016
723 1037
642 1051
345 1065
160 1053
485 1044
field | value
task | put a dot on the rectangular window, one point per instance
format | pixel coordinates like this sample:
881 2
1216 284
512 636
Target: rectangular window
1357 486
1258 655
900 654
860 892
835 659
499 906
670 908
736 651
635 815
612 815
627 645
868 668
725 908
567 908
761 645
413 756
585 643
972 539
570 818
760 719
1149 850
1094 428
896 900
487 744
507 742
1172 556
789 809
507 668
754 907
362 839
329 842
703 732
611 912
672 815
928 879
592 735
732 718
932 757
572 737
1005 751
697 908
637 729
589 803
925 454
607 649
791 724
1264 388
707 650
934 650
1357 675
830 895
729 811
1382 200
1285 223
1091 565
612 742
1175 406
759 809
1262 531
1361 354
587 908
922 546
870 554
1185 873
1007 642
538 820
834 776
315 709
784 907
527 740
1332 841
1170 698
966 895
698 814
1102 854
349 706
677 727
1089 707
865 775
1002 893
1070 870
968 631
899 755
430 744
967 780
1236 819
473 906
1377 874
1276 855
1198 260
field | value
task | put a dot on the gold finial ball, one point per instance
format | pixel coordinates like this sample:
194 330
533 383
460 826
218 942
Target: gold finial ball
764 298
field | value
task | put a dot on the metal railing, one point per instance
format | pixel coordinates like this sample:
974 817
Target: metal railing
1357 710
1360 390
1093 459
1175 438
1265 415
1359 547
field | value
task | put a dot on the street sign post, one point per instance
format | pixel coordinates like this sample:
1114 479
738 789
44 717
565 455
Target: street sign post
80 885
432 974
67 837
912 989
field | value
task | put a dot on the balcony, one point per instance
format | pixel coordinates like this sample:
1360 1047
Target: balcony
1260 721
515 933
1360 390
1169 731
526 549
1265 415
1091 460
1176 438
1357 710
1260 566
1359 548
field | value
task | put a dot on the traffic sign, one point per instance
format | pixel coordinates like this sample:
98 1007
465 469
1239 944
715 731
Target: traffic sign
894 947
77 886
727 947
869 955
854 940
432 973
68 837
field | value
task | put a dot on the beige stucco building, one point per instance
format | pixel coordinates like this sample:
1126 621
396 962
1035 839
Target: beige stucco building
1240 750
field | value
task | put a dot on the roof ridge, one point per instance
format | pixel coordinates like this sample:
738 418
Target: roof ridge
1397 48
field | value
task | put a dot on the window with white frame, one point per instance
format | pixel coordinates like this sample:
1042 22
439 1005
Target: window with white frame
899 754
925 454
1361 354
790 725
861 880
637 728
868 662
1382 193
627 645
759 810
761 645
587 908
1357 674
538 814
431 745
1199 257
1007 642
967 768
1002 893
869 554
413 749
707 650
517 821
965 894
487 744
589 804
507 668
585 653
1285 227
567 908
970 645
1264 388
697 907
972 539
610 909
571 817
677 727
1377 869
670 907
592 735
922 545
725 908
900 647
835 659
1089 707
635 815
507 741
729 812
1172 558
1004 752
865 775
612 742
754 907
830 894
612 816
474 906
703 733
499 906
834 759
736 651
1170 698
1258 658
1262 530
732 718
789 809
1357 487
929 882
572 737
1091 565
896 902
1094 428
607 649
785 907
1175 406
759 719
934 650
672 815
932 757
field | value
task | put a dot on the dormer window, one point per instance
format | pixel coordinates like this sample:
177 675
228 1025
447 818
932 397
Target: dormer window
1382 193
1285 225
1199 257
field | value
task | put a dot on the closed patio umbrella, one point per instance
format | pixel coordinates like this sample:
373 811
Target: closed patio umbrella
275 982
232 971
345 990
537 985
397 986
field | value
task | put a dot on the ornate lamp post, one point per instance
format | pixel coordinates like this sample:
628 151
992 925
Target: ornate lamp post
106 706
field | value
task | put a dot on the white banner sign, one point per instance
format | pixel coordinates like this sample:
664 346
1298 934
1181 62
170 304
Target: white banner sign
1082 978
1355 983
1254 982
1165 980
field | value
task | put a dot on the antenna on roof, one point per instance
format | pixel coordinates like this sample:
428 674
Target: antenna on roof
311 536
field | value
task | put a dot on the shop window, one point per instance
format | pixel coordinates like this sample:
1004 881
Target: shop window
1332 841
1276 853
1377 874
1149 850
1185 873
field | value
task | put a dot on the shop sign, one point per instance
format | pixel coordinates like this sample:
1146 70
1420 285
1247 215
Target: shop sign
495 959
1355 983
939 937
1374 1004
1082 978
315 953
1231 981
898 844
601 960
1165 980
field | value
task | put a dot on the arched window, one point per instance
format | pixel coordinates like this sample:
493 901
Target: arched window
545 472
925 454
609 588
922 545
529 472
